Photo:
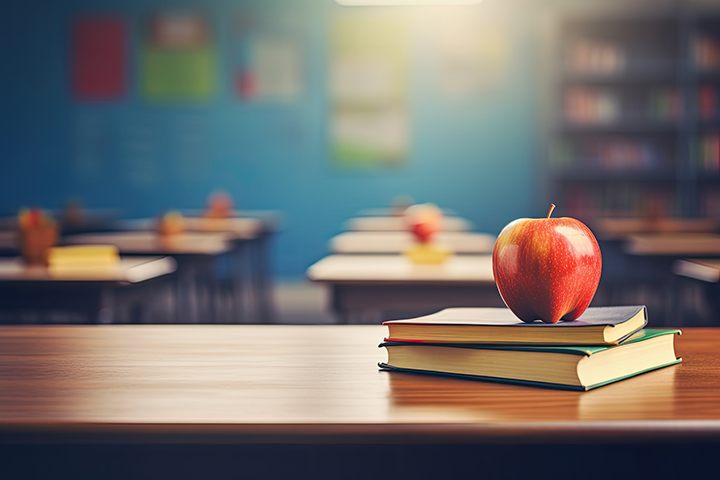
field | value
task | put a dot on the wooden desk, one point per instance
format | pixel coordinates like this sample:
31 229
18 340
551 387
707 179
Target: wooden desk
399 242
394 212
196 253
645 263
91 292
235 228
148 243
250 234
706 273
397 224
9 245
368 286
191 398
703 269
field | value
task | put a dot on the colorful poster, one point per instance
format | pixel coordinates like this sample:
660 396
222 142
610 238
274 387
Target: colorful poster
369 121
99 58
267 59
178 58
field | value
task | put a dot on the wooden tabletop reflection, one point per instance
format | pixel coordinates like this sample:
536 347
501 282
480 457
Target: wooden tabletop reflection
315 380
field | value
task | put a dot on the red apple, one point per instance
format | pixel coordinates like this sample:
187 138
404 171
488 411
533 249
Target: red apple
547 268
424 221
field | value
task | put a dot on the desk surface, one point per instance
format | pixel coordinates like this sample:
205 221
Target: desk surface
150 243
476 269
673 245
128 270
316 383
612 228
237 228
705 269
270 220
394 212
8 240
397 223
398 242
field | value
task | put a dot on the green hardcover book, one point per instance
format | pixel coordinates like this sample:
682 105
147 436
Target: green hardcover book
596 326
567 367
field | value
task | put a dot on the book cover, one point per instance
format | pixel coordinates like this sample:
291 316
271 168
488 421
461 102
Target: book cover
597 325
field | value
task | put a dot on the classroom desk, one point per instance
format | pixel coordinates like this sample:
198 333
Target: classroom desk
619 228
395 212
9 243
271 223
398 223
706 272
213 400
93 293
399 242
368 286
236 228
673 245
196 253
649 258
144 243
250 233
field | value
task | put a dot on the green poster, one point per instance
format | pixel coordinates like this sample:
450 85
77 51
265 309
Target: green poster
179 60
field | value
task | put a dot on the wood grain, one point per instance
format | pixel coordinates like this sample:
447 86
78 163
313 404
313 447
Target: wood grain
284 383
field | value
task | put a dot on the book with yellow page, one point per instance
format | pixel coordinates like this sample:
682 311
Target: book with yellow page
557 366
82 257
596 326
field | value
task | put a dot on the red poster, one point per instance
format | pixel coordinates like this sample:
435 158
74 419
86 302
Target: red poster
99 57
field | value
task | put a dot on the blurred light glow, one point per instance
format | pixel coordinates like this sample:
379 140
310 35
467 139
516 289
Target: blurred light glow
406 2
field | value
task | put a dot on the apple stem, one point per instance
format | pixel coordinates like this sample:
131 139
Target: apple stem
552 207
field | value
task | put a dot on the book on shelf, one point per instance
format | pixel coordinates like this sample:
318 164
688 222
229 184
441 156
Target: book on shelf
709 152
620 199
707 52
613 154
593 57
711 203
568 367
602 106
596 326
708 102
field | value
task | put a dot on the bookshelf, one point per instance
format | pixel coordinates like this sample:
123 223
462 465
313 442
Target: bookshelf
633 123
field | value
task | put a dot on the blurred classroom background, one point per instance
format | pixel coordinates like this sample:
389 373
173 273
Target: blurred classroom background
305 114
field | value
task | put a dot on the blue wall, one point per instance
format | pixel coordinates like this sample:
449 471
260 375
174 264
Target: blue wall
478 156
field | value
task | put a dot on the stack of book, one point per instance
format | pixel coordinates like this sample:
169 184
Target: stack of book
604 345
